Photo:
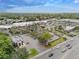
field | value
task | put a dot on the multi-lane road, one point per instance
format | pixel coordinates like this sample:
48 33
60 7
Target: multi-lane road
61 51
72 53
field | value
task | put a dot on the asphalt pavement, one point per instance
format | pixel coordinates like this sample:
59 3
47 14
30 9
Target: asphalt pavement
72 53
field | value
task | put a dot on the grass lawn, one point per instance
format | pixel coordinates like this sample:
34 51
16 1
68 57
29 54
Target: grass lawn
55 42
33 52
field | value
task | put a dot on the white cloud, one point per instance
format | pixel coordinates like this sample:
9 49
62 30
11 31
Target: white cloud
64 6
24 9
76 1
12 5
46 8
17 9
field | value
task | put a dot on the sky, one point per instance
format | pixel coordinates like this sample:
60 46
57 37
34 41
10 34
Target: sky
39 6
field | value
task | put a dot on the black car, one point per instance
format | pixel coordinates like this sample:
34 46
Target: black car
50 55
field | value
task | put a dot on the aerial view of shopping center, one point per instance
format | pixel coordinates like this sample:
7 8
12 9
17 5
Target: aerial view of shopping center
39 29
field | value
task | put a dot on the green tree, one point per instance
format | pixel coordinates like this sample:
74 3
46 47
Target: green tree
43 38
6 47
